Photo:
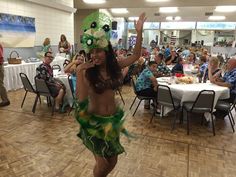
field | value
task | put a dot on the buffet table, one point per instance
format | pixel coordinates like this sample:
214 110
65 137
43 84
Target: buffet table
12 79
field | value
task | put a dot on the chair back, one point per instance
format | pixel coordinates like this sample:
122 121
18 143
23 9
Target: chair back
42 87
56 67
164 96
204 101
66 62
71 86
26 83
133 85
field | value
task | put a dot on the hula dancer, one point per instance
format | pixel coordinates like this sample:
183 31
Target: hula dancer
100 119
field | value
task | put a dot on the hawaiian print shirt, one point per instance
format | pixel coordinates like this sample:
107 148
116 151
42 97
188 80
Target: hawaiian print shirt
44 71
230 77
162 68
143 81
203 67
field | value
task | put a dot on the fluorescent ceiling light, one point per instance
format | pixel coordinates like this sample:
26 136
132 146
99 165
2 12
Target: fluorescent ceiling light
169 18
225 8
157 0
216 18
133 18
119 10
94 1
168 9
177 18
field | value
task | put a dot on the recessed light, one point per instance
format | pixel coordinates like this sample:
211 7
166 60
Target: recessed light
177 18
94 1
169 18
216 18
133 18
168 9
119 10
157 0
225 8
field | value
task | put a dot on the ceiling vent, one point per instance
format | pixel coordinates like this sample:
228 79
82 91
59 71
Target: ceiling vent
208 13
157 14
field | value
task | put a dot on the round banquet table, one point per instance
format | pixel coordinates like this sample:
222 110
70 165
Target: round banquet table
189 92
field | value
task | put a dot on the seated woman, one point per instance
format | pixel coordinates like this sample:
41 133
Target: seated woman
212 69
146 84
172 58
46 45
191 59
178 68
71 68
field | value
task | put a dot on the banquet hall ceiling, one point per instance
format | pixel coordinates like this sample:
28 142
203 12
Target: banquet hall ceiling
189 10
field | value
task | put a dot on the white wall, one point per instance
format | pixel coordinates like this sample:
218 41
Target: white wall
50 22
206 36
79 17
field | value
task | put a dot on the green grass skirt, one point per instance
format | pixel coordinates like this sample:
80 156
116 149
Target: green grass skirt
101 135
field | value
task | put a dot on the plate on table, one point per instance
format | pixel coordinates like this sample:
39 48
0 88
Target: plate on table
184 80
163 79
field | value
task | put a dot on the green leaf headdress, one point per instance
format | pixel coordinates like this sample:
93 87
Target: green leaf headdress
97 31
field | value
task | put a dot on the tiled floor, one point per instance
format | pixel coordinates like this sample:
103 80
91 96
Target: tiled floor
41 145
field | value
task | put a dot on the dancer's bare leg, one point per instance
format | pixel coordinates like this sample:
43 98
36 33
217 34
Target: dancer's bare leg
104 166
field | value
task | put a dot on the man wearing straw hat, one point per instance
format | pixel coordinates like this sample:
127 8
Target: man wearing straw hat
3 92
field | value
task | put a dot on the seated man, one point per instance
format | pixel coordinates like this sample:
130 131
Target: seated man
162 69
146 84
56 87
229 79
203 67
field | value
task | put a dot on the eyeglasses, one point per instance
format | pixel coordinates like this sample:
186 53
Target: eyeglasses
51 57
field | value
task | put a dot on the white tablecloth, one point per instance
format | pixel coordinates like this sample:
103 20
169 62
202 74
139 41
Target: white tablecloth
189 92
68 98
12 79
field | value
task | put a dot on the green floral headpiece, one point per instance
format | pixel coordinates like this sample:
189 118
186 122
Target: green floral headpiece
97 31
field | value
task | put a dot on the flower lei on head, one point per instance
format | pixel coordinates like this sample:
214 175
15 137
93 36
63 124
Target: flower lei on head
97 30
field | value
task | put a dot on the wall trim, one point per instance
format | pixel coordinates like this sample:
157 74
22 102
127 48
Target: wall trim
53 4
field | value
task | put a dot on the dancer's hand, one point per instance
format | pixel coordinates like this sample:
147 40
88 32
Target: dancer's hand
139 24
85 66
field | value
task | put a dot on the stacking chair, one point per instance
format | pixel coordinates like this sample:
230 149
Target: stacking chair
119 92
203 103
42 89
164 98
72 92
141 98
66 62
56 67
27 86
227 107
